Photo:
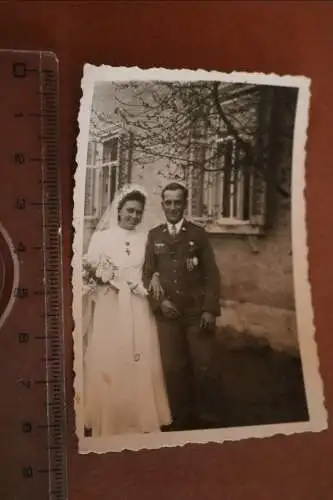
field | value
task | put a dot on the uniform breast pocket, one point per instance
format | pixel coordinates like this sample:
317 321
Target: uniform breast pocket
160 249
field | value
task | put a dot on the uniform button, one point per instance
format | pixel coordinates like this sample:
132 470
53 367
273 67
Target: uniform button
177 292
174 281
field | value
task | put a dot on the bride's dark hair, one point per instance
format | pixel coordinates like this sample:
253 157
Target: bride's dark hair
132 196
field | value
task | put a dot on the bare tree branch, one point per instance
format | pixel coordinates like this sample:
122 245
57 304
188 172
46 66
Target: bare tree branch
170 118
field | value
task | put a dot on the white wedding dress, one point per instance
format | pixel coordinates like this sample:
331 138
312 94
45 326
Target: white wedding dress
124 384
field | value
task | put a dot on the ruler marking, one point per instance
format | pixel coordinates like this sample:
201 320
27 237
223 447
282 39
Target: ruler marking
46 426
46 382
46 470
48 203
52 273
43 337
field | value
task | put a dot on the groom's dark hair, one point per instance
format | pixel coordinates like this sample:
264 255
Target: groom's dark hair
132 196
174 186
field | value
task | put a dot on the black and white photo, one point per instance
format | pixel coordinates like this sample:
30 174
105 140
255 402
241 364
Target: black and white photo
191 297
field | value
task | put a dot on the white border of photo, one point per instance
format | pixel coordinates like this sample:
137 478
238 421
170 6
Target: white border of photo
302 289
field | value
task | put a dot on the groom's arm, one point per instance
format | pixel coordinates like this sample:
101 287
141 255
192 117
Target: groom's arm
149 268
211 277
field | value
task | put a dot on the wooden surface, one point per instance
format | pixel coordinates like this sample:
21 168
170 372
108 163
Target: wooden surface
281 37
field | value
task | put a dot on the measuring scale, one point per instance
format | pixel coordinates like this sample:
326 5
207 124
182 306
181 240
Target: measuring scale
32 381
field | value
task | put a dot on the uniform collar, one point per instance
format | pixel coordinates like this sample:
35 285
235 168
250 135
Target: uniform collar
179 226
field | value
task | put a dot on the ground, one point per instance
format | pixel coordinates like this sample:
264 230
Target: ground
255 385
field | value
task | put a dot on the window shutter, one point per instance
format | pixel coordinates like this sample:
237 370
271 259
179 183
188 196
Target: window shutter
197 171
258 195
125 157
88 205
121 161
89 153
130 156
259 172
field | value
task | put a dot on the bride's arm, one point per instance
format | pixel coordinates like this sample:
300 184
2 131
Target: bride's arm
149 266
150 275
95 253
137 288
94 249
114 284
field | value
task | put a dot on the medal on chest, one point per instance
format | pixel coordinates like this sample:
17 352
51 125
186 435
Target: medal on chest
191 259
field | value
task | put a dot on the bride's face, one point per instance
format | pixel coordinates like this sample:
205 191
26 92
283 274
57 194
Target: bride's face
130 214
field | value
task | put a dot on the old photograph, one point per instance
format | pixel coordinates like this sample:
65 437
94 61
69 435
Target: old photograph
191 294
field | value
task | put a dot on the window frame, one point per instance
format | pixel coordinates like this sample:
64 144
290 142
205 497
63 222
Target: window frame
98 167
223 225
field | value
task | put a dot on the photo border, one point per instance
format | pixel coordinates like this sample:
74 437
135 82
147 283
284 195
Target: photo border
302 288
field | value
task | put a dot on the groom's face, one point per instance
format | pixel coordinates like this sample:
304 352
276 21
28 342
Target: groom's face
173 204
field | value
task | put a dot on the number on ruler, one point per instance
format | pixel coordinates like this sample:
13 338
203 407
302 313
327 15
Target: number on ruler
21 293
19 70
26 427
26 382
19 158
21 248
23 337
27 472
20 203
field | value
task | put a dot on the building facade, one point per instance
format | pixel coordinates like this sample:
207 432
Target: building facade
247 211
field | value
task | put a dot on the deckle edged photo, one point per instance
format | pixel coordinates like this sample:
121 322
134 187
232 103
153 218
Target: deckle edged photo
192 305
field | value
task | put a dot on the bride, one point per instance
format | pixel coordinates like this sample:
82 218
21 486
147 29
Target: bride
124 385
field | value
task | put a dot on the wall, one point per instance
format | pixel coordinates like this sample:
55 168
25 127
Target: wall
258 270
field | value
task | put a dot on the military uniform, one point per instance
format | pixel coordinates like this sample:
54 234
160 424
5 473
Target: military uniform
186 349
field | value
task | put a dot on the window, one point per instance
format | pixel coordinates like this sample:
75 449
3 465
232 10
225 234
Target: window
223 196
90 188
103 162
109 171
91 153
108 167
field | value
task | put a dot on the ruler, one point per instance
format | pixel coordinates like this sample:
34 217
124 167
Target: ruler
32 381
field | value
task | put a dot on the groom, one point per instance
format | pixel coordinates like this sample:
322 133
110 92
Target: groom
184 281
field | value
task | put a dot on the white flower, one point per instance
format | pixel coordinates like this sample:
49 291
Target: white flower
106 270
89 288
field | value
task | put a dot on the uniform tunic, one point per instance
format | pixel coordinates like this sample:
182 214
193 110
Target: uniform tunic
185 348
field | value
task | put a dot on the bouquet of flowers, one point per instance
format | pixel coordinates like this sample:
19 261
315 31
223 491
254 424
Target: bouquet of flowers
103 272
